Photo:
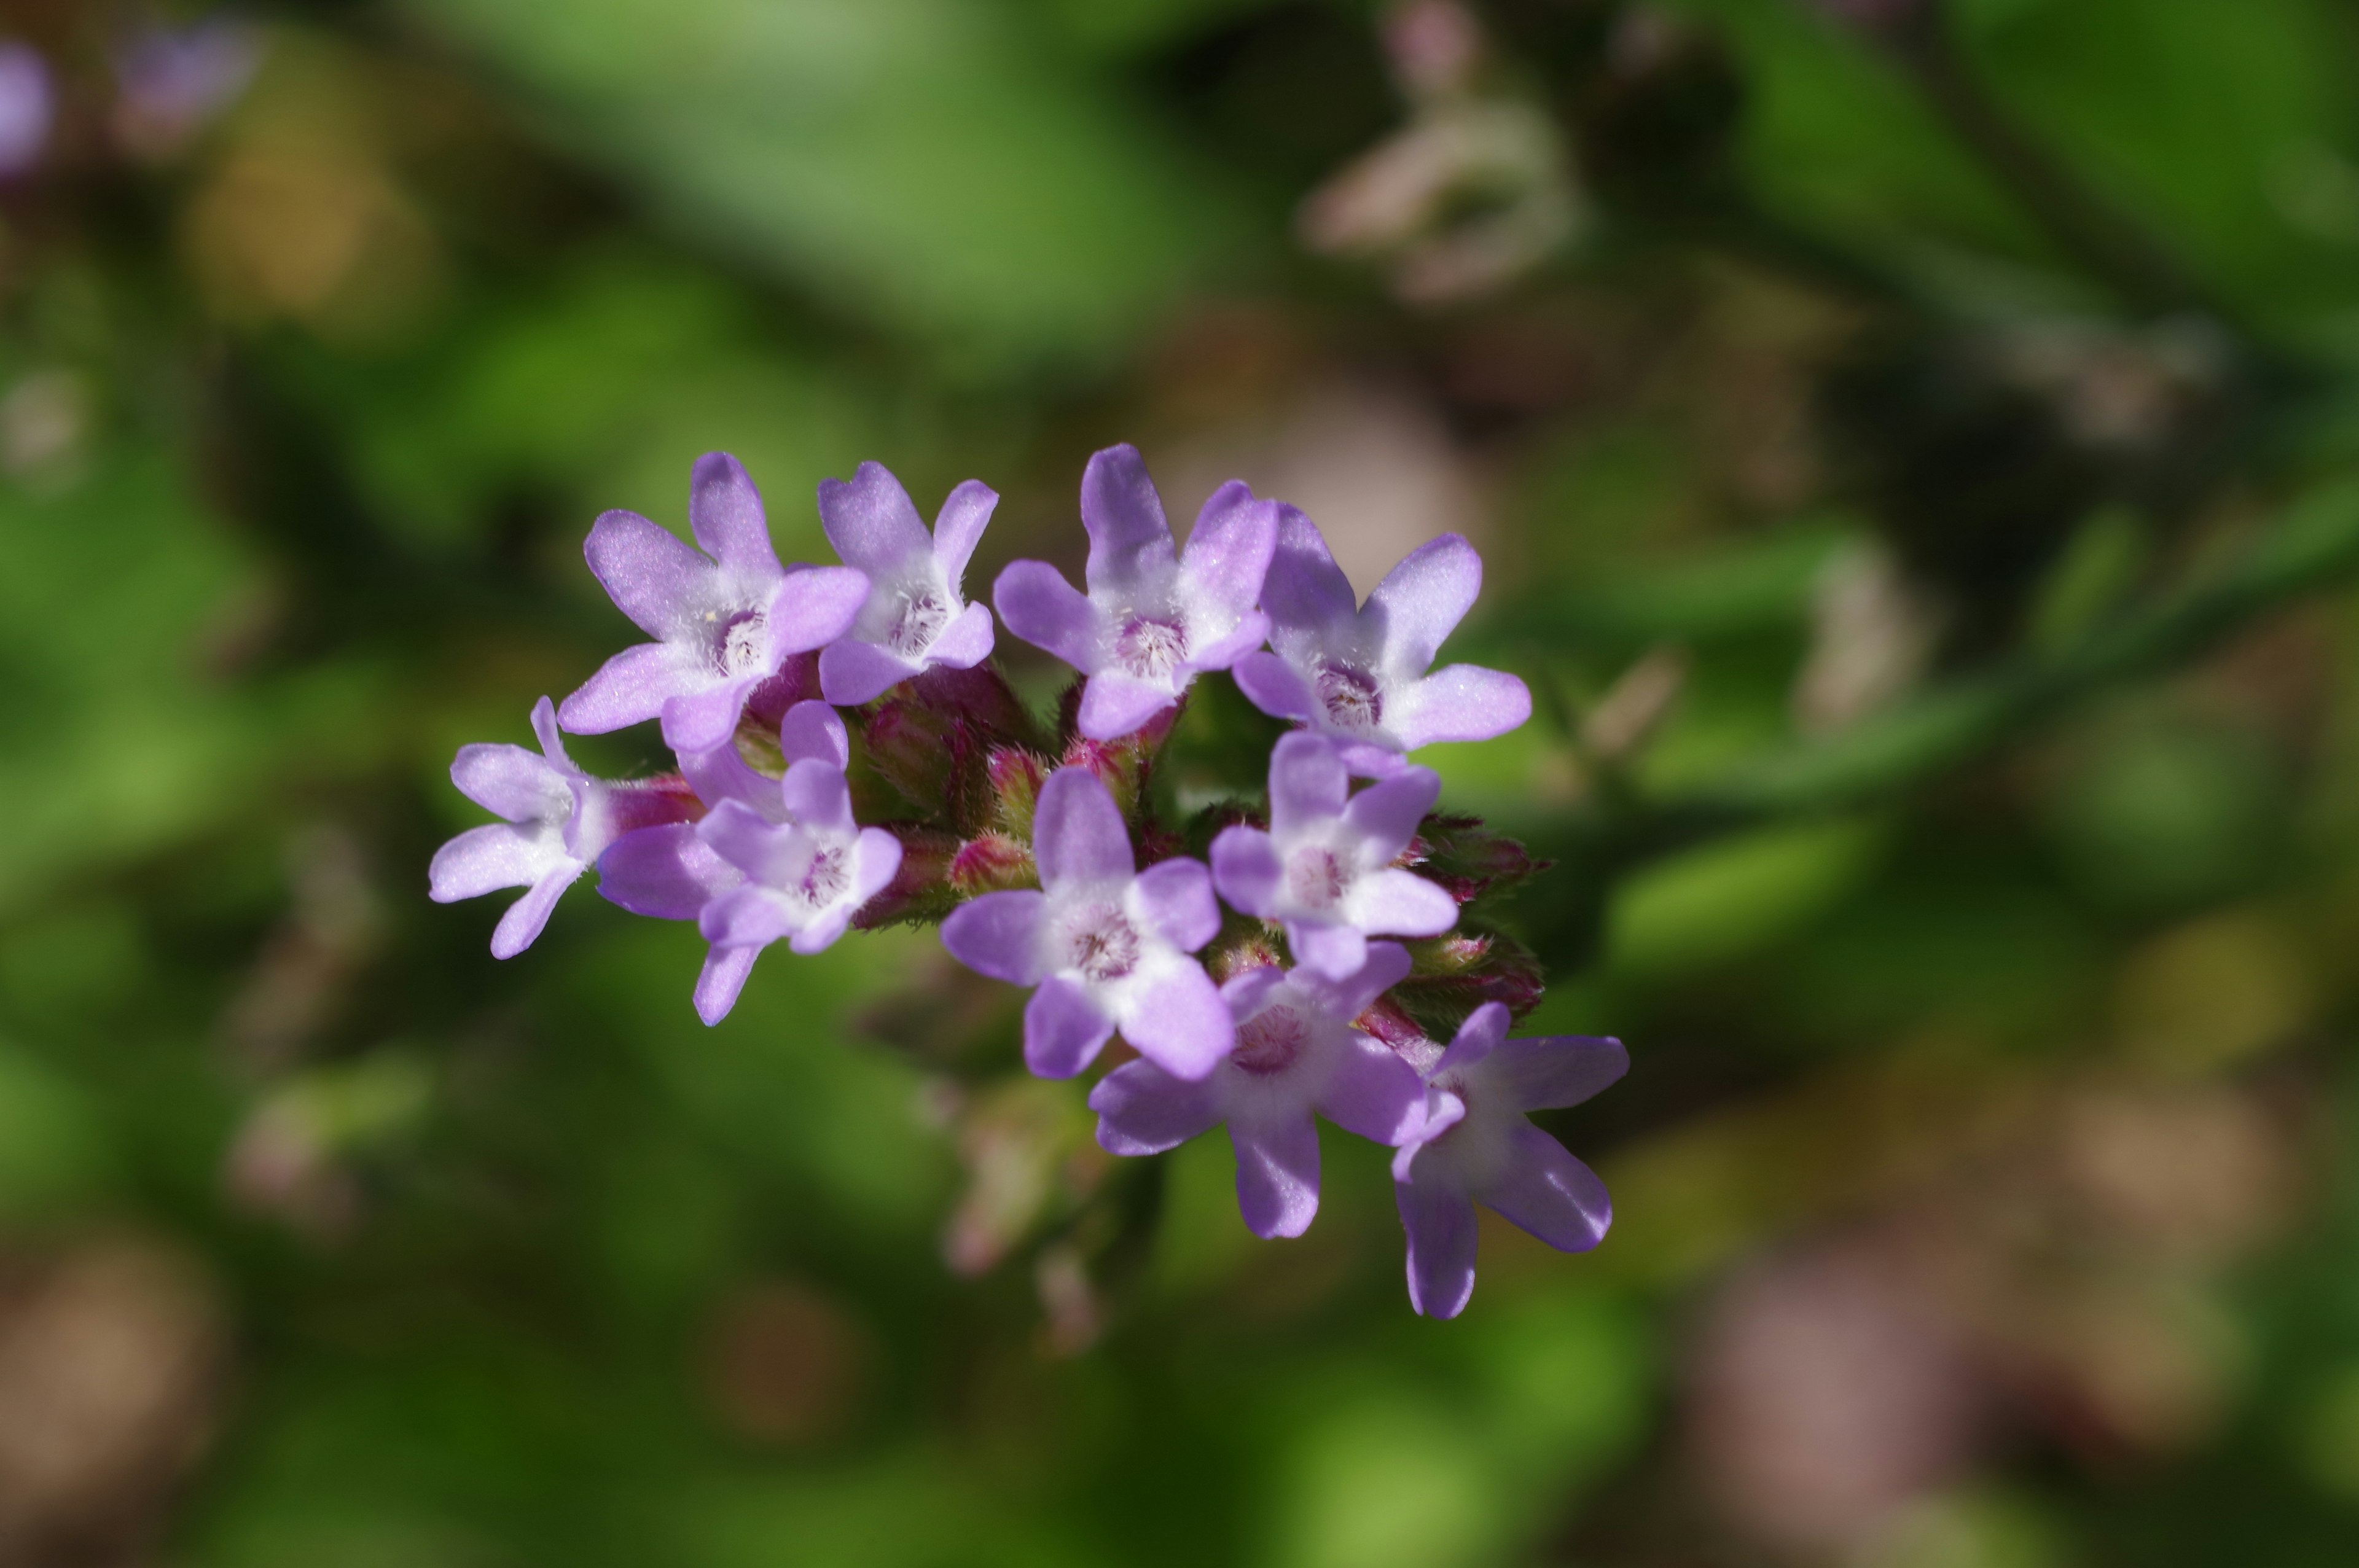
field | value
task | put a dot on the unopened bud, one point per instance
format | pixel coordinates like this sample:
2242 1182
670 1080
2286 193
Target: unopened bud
1451 975
1016 776
1468 859
920 892
991 863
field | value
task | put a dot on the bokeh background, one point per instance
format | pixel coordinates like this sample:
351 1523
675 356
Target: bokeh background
1906 441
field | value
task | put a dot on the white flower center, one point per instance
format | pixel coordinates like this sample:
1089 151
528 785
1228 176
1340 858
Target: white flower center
744 644
1351 698
919 619
827 878
1151 649
1270 1041
1316 878
1100 941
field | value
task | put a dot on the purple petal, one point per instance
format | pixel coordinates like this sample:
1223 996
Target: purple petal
1078 834
1442 1235
629 688
1393 903
511 782
1064 1029
1245 993
813 607
552 739
661 584
818 795
1387 813
722 773
1547 1071
965 642
1130 543
958 528
1038 605
1250 633
872 521
814 730
526 916
701 719
1480 1035
1372 759
852 673
486 860
1387 965
1307 782
1422 601
747 840
667 872
1462 702
823 930
1305 590
1175 897
1228 554
875 862
1275 687
1178 1022
724 513
725 969
1373 1092
1246 869
998 935
1277 1173
1141 1110
746 917
1114 704
1441 1112
1335 951
1551 1194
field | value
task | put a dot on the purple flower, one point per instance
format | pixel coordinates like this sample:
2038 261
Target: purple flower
723 625
28 106
1474 1143
675 871
1358 673
174 80
1297 1054
1152 620
1325 865
1104 944
914 616
560 820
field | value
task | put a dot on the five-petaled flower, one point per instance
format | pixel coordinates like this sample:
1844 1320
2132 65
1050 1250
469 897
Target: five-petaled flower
1474 1143
914 616
1297 1054
559 821
723 621
1103 945
1154 619
1358 672
1325 865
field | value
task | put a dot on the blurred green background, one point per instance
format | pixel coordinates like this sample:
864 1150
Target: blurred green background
1871 415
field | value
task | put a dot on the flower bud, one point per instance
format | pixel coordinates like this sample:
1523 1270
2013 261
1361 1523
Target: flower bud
1453 975
920 892
992 863
1468 858
1014 777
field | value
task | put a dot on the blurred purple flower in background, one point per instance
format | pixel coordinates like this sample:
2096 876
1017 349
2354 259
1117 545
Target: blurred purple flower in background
1297 1054
914 617
28 106
1154 619
172 81
1325 865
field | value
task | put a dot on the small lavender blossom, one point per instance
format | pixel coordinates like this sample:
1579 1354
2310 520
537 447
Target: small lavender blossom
1103 945
725 622
1325 865
914 616
1475 1144
172 81
1358 673
560 820
27 106
1297 1054
672 872
1153 620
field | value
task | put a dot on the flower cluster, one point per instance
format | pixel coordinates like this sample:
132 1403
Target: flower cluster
848 755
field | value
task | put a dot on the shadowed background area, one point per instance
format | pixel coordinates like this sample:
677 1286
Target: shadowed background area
1911 447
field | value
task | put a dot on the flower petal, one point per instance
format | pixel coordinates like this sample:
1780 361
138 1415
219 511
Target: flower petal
958 528
1229 551
1277 1173
1275 687
702 719
1440 1221
1178 1022
1393 903
1549 1194
813 607
814 730
720 773
631 689
724 513
1246 992
511 782
747 916
526 917
1462 702
1175 898
1221 652
1130 543
820 932
1547 1071
1371 1092
852 672
749 840
998 935
1141 1110
1336 952
1114 704
1038 605
1480 1035
1387 964
487 859
552 739
871 521
1305 590
1308 785
1078 833
965 642
667 872
1387 813
818 795
725 969
1064 1029
661 584
1422 600
875 862
1247 870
